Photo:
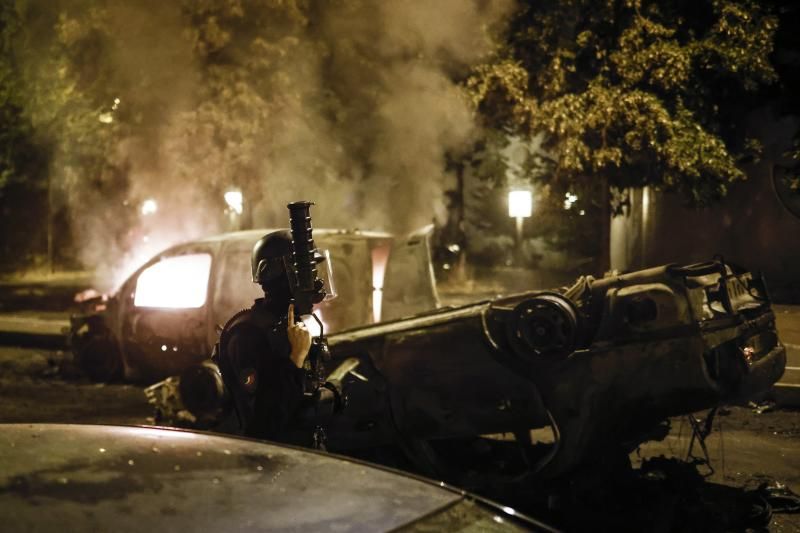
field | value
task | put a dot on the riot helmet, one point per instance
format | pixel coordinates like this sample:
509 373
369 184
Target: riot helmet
272 267
271 257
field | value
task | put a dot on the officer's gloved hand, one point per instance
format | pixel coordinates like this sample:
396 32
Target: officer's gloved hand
299 339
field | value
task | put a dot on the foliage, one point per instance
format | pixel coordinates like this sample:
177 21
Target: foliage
241 63
484 222
83 89
107 100
16 131
632 92
500 162
787 64
97 92
352 99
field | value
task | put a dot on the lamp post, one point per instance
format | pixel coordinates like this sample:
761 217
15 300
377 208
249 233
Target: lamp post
149 207
235 201
520 207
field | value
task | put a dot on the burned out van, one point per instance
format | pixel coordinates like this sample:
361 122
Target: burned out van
166 315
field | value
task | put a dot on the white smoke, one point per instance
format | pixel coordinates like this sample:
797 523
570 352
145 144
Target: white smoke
354 104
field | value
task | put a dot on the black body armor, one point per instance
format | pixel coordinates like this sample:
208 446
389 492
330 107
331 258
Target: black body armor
265 386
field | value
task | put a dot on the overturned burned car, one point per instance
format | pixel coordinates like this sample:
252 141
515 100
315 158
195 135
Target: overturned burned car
572 374
166 316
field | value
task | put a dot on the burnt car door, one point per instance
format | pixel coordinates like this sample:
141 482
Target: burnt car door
409 285
234 289
352 274
164 313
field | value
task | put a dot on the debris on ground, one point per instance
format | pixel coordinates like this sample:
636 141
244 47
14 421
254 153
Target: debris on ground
761 407
28 364
780 498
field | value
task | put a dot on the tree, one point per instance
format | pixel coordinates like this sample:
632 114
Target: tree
16 134
351 100
22 192
633 92
784 95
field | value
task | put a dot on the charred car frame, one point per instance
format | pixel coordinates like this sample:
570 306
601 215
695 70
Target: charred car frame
597 364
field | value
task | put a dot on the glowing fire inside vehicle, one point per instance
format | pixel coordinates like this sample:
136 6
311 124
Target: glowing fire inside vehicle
380 257
314 326
179 282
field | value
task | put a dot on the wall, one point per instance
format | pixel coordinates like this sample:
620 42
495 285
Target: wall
750 227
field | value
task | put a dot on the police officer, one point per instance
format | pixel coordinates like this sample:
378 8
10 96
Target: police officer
262 350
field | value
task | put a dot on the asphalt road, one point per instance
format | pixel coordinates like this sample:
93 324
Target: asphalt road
41 385
745 448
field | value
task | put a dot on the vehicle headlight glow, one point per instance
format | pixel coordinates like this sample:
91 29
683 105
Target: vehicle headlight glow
179 282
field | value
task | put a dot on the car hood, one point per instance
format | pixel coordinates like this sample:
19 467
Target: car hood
56 476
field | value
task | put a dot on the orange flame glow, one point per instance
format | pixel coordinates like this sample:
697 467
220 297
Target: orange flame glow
179 282
380 257
313 326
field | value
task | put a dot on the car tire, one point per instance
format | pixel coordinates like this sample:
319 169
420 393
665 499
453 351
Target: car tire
100 359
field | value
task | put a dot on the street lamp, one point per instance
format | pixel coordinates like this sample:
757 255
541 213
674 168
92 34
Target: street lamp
233 213
520 206
235 201
149 207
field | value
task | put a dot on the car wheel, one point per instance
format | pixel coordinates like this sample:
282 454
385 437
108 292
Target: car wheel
100 359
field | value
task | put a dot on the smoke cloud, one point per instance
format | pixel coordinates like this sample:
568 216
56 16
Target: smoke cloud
354 104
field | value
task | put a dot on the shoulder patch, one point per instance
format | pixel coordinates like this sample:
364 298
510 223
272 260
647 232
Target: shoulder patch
248 379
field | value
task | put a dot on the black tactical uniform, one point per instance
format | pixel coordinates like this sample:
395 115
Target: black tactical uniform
266 387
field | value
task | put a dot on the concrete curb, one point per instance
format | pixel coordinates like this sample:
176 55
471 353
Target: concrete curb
786 394
24 329
40 297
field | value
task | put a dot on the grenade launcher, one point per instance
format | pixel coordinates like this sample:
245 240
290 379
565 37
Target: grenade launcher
307 288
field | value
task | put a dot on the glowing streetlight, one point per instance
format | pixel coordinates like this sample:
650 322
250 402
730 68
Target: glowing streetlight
569 199
520 207
235 201
149 207
107 117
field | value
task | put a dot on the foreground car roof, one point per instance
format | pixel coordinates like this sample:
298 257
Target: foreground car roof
137 478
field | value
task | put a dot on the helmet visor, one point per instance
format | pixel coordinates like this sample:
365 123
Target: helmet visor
269 269
325 273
